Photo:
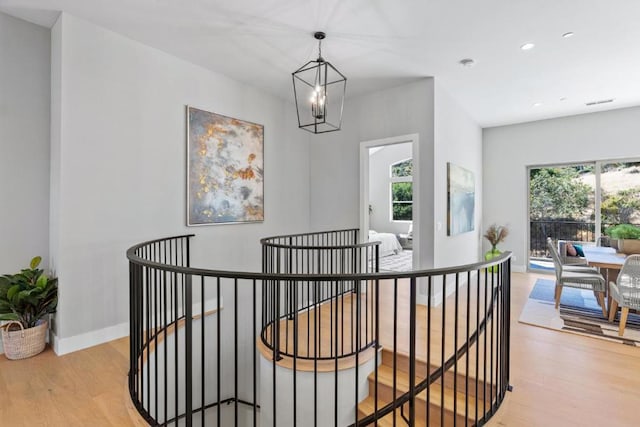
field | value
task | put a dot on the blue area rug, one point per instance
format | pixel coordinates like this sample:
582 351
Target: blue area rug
579 313
544 290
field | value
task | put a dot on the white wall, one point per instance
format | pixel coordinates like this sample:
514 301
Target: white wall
458 139
118 169
24 143
446 134
508 150
379 188
334 166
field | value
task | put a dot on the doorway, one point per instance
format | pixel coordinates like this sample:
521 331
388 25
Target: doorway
389 191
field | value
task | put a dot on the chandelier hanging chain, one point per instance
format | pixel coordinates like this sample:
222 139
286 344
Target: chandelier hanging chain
319 35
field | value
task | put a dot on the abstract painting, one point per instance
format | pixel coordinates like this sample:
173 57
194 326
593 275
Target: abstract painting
461 193
225 171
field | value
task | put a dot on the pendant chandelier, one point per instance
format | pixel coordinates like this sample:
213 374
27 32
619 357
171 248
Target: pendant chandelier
319 90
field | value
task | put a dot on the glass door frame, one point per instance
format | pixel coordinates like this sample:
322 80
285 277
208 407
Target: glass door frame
597 170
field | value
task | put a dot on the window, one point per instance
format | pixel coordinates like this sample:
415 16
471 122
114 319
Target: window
402 191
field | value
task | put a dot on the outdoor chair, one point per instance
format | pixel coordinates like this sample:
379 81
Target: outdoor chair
584 268
625 293
565 258
577 277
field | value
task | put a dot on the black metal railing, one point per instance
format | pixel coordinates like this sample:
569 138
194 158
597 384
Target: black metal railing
557 230
331 252
580 231
198 353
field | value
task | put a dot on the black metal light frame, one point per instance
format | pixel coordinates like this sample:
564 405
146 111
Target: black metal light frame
322 112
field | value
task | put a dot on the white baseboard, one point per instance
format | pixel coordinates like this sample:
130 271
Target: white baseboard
437 297
518 268
89 339
63 346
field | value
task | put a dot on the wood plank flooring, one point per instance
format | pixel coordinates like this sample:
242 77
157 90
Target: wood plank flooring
85 388
559 379
330 326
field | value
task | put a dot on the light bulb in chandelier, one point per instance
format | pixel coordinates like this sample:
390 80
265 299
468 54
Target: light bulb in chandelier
318 102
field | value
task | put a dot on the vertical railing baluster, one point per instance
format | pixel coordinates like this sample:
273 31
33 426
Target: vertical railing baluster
484 348
147 309
376 310
395 345
412 352
468 352
478 346
429 305
165 345
336 356
442 345
358 332
156 331
188 354
295 359
235 351
203 401
455 349
175 348
316 337
255 358
493 323
219 355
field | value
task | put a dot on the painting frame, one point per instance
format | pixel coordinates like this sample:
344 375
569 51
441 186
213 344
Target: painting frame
461 192
225 169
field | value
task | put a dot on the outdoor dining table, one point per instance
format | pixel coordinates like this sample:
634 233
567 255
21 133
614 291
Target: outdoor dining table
605 258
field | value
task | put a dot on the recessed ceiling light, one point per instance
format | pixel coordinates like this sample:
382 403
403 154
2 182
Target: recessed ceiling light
564 98
527 46
537 104
602 101
467 62
567 35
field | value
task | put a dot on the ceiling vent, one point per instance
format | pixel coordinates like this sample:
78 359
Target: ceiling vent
602 101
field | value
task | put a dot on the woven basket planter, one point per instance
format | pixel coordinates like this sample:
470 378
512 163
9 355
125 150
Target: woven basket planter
629 246
22 343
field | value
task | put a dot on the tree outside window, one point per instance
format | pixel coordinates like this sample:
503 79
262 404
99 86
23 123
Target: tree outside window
402 191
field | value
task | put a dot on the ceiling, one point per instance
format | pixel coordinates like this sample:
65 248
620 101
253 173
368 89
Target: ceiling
383 43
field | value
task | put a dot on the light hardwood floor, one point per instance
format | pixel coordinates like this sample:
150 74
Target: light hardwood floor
559 379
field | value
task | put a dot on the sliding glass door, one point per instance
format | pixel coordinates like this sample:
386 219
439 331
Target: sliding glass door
580 202
562 205
620 193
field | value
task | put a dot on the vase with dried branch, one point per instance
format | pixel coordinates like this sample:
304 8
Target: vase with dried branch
496 234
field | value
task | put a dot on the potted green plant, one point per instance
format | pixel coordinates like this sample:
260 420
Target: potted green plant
495 234
628 237
26 300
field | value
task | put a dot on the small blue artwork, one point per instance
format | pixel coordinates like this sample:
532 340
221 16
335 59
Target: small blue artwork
461 200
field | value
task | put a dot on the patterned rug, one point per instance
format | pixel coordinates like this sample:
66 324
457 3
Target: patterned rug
579 313
402 261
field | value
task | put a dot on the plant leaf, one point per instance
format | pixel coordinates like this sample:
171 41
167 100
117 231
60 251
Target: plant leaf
12 291
9 316
35 262
42 281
